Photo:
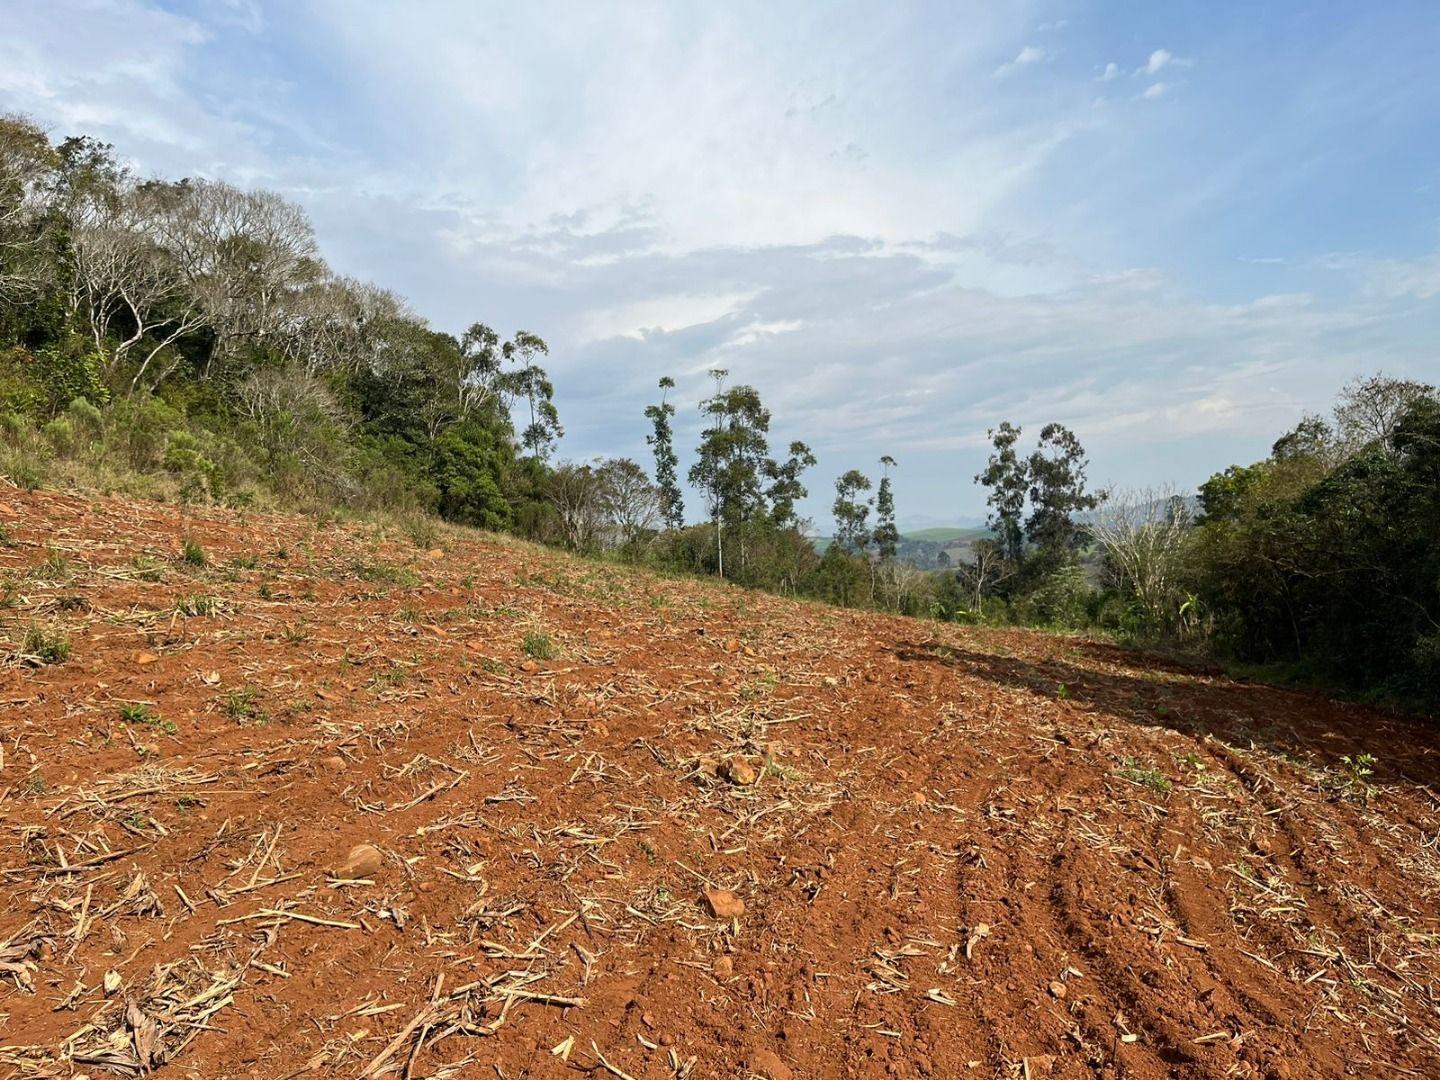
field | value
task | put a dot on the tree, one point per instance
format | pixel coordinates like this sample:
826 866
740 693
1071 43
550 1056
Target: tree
1370 408
630 503
730 460
127 279
574 491
887 536
1007 475
986 568
785 488
1057 491
27 168
662 441
530 382
1145 535
852 514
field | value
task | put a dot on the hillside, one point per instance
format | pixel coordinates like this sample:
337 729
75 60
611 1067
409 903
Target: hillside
946 535
654 827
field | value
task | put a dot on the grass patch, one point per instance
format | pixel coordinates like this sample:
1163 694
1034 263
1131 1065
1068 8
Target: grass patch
539 645
47 645
191 553
139 714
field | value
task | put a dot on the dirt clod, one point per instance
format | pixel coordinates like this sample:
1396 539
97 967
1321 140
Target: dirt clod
722 904
362 861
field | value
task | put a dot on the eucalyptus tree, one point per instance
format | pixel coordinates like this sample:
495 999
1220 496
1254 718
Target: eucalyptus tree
662 441
851 512
730 460
887 536
786 488
1007 475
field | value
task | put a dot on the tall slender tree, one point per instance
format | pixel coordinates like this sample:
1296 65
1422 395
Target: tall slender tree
785 488
1007 475
852 513
730 461
1057 491
529 381
662 442
887 536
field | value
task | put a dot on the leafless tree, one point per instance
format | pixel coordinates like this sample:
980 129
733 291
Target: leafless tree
124 276
247 256
574 492
1144 535
26 164
338 323
1369 408
986 568
629 501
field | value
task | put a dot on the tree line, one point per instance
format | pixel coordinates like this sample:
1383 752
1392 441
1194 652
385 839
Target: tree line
187 339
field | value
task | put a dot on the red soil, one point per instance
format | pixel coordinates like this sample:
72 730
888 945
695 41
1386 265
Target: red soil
962 852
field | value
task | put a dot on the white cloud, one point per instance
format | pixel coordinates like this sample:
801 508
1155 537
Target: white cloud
1111 72
1159 60
1154 90
1026 57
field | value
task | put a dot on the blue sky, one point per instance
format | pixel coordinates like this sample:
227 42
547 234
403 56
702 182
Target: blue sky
1174 227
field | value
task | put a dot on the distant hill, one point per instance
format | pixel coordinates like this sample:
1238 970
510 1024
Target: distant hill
947 534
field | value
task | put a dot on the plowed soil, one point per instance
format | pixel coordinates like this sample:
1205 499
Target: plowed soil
959 852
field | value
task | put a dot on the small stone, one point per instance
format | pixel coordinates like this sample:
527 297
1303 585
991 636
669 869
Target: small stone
918 798
112 982
724 967
529 665
767 1063
739 771
363 861
723 904
1057 988
334 763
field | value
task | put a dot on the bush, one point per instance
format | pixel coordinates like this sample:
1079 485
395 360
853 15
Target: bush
69 370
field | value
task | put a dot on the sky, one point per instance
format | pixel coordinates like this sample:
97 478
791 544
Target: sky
1175 228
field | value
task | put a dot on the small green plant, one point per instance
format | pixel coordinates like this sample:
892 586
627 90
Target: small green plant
56 566
265 591
1145 775
1360 767
1062 692
146 568
239 704
538 645
199 605
49 646
191 553
139 714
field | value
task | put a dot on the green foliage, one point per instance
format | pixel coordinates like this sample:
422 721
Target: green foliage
70 369
662 441
47 645
191 553
140 714
1325 555
538 645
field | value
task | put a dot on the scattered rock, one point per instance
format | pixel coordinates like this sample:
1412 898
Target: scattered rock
335 763
529 665
724 967
364 860
146 658
112 982
739 771
1057 988
723 904
767 1063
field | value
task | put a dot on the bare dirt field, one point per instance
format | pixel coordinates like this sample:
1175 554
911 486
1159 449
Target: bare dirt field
310 808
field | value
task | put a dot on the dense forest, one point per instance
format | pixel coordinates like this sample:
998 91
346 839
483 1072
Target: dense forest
186 339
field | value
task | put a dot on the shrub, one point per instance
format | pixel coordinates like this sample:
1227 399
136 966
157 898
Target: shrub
191 553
